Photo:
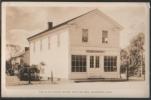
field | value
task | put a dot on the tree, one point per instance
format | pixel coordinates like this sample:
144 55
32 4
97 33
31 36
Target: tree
132 57
136 54
12 50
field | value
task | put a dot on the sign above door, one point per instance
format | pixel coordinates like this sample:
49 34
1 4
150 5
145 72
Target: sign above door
94 51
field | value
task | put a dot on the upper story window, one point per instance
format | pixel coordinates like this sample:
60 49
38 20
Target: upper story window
48 42
84 35
104 36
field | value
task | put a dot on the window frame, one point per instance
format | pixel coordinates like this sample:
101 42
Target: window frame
78 63
105 36
91 61
85 35
97 61
110 63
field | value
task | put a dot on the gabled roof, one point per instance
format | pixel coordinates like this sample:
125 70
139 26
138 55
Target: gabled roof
64 23
20 54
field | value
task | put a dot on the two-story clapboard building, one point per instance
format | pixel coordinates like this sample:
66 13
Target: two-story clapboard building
87 46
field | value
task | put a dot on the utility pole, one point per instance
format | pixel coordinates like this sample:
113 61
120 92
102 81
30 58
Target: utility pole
51 77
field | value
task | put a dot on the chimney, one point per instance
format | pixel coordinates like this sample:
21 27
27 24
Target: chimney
50 25
26 48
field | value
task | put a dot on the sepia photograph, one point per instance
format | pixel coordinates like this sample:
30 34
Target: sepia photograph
75 49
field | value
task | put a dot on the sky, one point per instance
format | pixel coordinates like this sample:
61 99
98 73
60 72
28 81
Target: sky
24 21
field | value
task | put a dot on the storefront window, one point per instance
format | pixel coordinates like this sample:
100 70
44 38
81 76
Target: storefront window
110 63
78 63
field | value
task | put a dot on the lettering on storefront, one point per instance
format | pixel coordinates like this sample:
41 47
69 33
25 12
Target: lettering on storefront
94 51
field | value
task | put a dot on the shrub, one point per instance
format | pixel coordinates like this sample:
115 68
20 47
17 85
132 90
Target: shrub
24 73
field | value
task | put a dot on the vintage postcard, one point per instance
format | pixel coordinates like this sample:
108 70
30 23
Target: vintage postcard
75 49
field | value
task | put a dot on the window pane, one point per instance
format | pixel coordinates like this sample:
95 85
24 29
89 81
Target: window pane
80 69
80 58
105 69
73 57
73 64
111 63
114 68
85 63
108 63
80 62
111 59
84 69
105 63
114 64
73 69
77 63
77 69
